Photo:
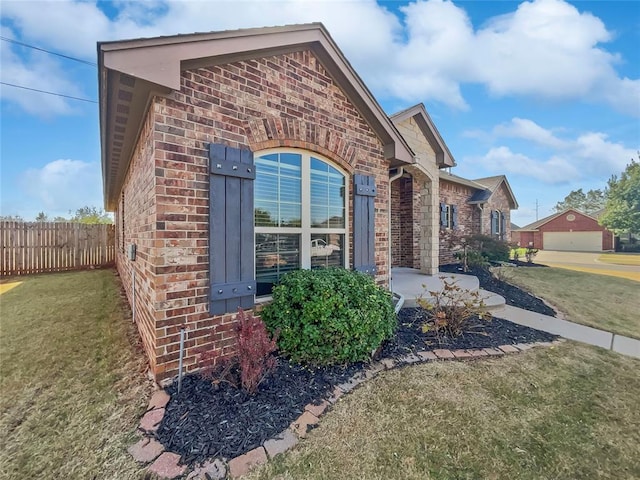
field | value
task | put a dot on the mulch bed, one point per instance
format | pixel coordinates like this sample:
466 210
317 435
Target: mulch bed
513 295
207 420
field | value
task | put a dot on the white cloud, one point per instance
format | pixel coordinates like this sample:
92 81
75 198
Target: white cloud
544 48
62 186
590 155
555 169
529 130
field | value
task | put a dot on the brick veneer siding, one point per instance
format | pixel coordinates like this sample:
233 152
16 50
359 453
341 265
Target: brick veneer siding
468 217
414 205
498 201
582 223
280 101
135 221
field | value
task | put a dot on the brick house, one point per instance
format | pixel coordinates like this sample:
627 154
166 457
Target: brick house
569 230
231 158
467 207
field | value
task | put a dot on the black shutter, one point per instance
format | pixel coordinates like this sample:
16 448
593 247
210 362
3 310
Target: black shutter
231 238
454 216
494 222
364 231
443 214
503 226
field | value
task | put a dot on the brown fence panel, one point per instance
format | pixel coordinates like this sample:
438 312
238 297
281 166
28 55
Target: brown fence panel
38 247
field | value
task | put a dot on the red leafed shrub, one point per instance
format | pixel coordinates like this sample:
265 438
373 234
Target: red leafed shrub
254 351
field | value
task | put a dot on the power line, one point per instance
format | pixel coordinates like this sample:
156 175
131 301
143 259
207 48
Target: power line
48 93
10 40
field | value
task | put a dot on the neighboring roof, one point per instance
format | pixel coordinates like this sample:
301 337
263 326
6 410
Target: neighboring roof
429 130
513 226
131 71
444 175
493 183
532 227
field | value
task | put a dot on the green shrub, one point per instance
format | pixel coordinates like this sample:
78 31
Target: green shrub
492 249
329 316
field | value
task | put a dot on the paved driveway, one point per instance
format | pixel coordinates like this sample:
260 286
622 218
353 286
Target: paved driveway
586 262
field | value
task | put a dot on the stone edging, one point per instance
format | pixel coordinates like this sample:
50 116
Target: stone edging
165 464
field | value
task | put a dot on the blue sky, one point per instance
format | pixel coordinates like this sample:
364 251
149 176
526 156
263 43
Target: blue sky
546 91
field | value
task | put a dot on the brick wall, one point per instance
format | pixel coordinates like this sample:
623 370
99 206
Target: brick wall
417 197
279 101
498 201
468 217
135 221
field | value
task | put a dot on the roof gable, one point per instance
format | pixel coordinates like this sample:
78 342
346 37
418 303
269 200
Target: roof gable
132 71
429 130
543 221
494 183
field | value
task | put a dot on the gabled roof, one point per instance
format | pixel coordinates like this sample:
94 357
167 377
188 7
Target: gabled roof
130 72
429 130
493 183
532 227
484 187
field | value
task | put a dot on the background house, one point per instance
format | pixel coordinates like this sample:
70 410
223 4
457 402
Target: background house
468 207
569 230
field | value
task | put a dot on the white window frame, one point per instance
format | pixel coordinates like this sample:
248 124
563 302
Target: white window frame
449 216
305 231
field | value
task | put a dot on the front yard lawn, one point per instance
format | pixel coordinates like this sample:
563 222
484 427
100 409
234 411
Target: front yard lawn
599 301
566 412
620 258
72 379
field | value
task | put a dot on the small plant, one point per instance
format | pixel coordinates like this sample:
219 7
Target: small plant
254 351
452 308
254 359
530 253
329 316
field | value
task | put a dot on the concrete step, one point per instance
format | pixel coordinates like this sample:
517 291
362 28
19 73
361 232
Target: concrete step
411 284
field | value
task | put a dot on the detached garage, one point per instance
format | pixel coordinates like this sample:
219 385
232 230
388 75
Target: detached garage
570 230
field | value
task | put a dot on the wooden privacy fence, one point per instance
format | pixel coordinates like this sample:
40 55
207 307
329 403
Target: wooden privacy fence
37 247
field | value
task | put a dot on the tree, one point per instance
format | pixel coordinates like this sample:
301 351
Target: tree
589 202
42 217
11 218
622 210
91 215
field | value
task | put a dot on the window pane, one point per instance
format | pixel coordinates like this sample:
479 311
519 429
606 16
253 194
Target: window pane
319 217
266 187
267 164
327 250
319 193
335 176
336 195
336 217
290 164
276 254
290 189
290 215
266 214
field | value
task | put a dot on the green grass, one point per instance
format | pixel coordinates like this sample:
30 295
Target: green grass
599 301
567 412
72 378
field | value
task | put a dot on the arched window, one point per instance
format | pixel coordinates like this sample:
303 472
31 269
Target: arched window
300 214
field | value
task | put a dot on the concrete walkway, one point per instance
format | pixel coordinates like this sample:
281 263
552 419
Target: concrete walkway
570 330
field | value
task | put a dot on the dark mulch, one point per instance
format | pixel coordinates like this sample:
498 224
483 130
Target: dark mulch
513 295
207 420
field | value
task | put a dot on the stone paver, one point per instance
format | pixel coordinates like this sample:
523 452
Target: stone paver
146 450
478 352
215 470
241 465
352 383
159 399
494 352
443 354
281 443
335 395
410 358
427 356
388 363
317 410
151 420
166 466
508 349
461 354
301 425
